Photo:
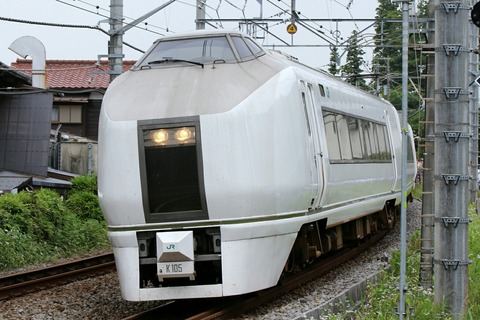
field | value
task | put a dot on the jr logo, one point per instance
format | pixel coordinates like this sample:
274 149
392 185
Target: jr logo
171 247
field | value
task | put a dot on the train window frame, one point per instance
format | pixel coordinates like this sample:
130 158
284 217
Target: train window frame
355 134
304 101
367 142
331 134
241 47
153 55
253 45
322 90
343 137
179 215
410 148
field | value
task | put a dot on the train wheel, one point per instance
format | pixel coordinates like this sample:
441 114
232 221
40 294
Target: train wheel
290 264
388 217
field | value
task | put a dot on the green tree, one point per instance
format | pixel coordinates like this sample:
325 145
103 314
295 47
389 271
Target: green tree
352 69
388 35
387 57
333 66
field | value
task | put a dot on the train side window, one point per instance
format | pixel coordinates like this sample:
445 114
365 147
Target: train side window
375 142
384 147
367 144
350 139
304 100
322 90
331 135
410 157
355 137
343 137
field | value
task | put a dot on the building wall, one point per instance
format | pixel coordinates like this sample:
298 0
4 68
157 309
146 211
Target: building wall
78 157
25 121
66 111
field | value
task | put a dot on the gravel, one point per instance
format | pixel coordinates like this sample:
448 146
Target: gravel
99 297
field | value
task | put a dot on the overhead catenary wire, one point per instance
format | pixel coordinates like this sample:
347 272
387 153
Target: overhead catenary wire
124 16
107 17
63 25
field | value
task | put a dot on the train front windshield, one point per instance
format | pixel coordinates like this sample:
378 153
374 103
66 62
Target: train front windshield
198 50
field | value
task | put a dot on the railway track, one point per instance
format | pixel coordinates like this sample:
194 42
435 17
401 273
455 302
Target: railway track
18 284
228 308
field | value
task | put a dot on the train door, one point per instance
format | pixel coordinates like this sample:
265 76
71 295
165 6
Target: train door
310 102
395 170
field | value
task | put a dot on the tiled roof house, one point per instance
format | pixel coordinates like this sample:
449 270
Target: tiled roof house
78 86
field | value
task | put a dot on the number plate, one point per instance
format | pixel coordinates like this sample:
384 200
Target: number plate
169 269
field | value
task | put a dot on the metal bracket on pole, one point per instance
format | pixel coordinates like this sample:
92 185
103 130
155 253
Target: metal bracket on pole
455 48
452 220
456 135
454 92
453 5
454 177
452 263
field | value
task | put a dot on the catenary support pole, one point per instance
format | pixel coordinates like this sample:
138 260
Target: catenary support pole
200 12
115 45
403 215
117 30
452 136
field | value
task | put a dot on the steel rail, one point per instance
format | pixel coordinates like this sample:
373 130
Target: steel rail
18 284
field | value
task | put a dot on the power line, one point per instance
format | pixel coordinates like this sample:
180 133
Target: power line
105 16
62 25
50 24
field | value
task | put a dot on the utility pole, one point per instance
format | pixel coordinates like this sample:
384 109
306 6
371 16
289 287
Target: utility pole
200 21
115 45
451 155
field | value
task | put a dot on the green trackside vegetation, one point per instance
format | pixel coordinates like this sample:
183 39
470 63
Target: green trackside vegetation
381 298
42 226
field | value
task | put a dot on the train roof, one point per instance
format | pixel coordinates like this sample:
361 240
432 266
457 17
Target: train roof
200 33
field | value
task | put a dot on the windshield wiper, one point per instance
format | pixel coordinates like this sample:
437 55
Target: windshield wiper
170 59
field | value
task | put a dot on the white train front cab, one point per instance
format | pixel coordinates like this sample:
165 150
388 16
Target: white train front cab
175 255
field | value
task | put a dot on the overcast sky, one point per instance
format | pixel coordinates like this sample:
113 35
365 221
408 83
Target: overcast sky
84 44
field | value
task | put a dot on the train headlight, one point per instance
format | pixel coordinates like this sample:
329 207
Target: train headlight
160 136
184 134
170 136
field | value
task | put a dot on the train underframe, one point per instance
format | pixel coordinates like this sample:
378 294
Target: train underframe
313 241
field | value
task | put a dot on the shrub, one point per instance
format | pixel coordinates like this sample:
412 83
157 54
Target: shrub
40 226
80 236
85 183
82 199
85 205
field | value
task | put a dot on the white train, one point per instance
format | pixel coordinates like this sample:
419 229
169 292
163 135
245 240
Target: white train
223 164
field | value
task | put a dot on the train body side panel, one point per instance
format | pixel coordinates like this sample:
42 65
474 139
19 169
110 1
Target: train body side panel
255 155
119 186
